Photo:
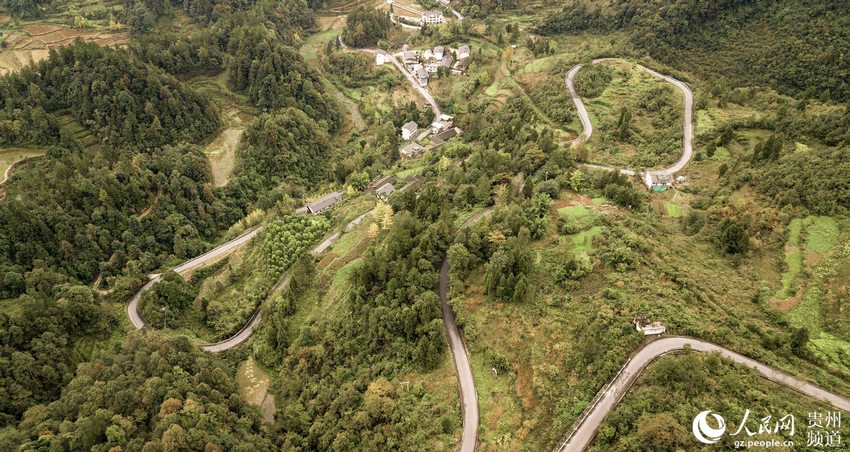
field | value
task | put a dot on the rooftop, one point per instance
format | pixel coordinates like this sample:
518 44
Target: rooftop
410 127
324 202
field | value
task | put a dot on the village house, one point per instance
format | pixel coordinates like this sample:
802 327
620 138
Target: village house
320 205
412 183
432 18
434 66
658 182
381 57
410 58
408 131
463 52
447 61
411 151
378 182
440 139
461 66
643 325
421 76
442 123
427 55
439 52
384 191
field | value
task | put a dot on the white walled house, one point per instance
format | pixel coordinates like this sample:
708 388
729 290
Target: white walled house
381 57
408 131
463 52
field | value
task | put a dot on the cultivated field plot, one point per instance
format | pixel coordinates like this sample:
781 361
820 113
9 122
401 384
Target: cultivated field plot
32 43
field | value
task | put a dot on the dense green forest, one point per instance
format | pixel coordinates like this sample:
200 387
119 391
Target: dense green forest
364 27
126 103
147 393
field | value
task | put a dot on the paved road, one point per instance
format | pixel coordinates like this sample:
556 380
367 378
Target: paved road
133 306
687 120
468 394
424 92
584 430
255 321
257 318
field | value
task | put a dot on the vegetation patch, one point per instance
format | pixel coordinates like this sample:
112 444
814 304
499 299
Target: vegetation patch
575 212
287 238
673 210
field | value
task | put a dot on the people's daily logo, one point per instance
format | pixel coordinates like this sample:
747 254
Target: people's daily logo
823 430
705 433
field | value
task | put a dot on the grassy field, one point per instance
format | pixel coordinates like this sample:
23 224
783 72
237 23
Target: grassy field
9 157
237 114
808 239
575 212
673 210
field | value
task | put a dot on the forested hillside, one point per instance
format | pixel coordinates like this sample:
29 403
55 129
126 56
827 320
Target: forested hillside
390 327
148 393
126 103
794 46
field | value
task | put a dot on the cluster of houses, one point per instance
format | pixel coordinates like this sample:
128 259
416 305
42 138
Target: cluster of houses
661 182
441 131
423 64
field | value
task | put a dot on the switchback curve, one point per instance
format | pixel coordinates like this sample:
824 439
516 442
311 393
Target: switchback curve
687 120
584 430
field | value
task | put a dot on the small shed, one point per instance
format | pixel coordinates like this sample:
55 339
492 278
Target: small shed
411 151
378 182
384 191
381 57
412 183
461 66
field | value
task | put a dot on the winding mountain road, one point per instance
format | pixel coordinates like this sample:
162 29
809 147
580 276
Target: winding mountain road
133 307
216 253
583 432
687 120
466 384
